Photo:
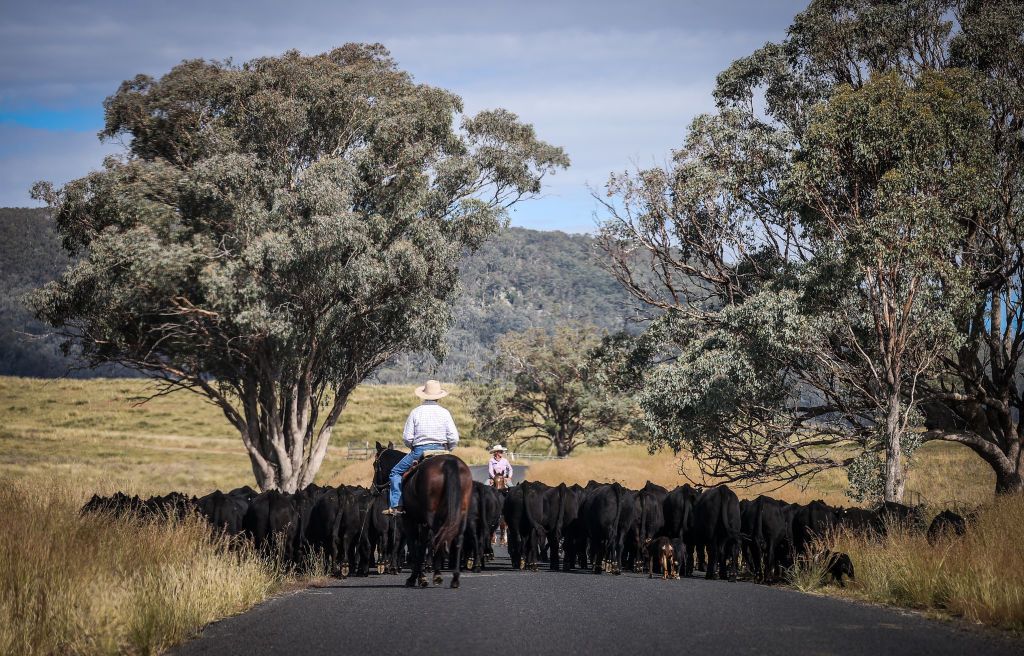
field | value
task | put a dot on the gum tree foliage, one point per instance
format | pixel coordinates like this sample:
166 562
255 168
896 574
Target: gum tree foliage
275 231
819 246
546 386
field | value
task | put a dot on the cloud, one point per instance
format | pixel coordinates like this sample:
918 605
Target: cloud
613 83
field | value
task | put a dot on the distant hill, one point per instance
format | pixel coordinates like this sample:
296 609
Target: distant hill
518 280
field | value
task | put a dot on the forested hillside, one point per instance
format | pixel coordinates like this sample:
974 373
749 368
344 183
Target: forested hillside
30 255
518 280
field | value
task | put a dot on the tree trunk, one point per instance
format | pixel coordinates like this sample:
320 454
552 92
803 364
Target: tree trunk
1009 483
895 475
563 444
279 429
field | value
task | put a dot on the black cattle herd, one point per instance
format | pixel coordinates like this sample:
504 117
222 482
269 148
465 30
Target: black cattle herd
603 527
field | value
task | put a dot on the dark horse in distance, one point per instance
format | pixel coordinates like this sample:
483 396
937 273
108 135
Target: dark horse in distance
436 494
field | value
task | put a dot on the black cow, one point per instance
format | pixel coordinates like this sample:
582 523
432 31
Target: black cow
560 508
523 511
838 564
492 501
271 521
118 503
859 520
717 529
574 531
809 522
891 513
477 536
321 531
381 535
678 515
224 512
946 523
354 502
609 508
768 537
650 515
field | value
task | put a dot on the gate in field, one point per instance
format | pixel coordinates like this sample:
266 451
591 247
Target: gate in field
357 452
533 456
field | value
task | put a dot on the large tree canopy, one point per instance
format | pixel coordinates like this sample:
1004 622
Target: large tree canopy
833 250
549 387
277 230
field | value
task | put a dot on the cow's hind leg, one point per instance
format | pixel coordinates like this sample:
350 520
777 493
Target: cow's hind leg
711 566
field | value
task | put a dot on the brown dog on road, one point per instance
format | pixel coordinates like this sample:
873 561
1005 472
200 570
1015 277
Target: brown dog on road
661 550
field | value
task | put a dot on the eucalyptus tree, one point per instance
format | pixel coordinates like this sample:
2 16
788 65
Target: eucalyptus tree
816 247
275 231
549 387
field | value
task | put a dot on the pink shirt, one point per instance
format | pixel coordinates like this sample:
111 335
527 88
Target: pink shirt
500 468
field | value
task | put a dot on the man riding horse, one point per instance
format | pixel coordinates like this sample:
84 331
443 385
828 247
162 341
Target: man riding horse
428 428
436 495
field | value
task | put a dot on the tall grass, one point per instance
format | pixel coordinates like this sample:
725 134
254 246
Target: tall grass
103 585
979 576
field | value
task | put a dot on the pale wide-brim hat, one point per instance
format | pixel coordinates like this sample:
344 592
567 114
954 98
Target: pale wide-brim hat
431 391
498 447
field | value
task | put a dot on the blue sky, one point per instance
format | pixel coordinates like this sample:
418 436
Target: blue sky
614 83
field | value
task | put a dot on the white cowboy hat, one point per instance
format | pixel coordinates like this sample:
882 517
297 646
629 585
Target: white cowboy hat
431 391
498 447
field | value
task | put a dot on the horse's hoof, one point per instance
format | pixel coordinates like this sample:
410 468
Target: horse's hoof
455 584
469 563
380 569
423 582
438 579
344 571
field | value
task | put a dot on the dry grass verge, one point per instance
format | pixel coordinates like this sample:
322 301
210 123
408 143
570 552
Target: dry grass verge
979 576
101 585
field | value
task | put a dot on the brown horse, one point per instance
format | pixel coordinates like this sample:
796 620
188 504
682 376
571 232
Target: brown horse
436 495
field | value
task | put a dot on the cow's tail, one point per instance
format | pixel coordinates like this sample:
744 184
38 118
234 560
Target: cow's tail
618 506
757 532
449 530
644 500
733 532
561 509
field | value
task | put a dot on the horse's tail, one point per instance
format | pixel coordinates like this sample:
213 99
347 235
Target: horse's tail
449 530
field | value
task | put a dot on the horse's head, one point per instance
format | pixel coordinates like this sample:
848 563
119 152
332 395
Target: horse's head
383 462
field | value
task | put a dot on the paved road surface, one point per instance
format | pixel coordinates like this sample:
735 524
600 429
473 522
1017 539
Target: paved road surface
480 473
526 613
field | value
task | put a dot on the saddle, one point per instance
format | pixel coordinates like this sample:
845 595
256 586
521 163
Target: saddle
429 453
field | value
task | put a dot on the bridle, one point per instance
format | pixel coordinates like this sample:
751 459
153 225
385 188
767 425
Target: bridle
377 488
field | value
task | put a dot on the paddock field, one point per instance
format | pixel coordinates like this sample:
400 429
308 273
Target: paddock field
97 436
62 440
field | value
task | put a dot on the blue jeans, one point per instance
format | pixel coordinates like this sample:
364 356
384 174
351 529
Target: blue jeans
403 466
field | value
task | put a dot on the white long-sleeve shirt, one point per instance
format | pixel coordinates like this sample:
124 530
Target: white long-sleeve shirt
429 423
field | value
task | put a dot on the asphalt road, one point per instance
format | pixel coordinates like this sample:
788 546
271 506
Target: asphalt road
527 613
